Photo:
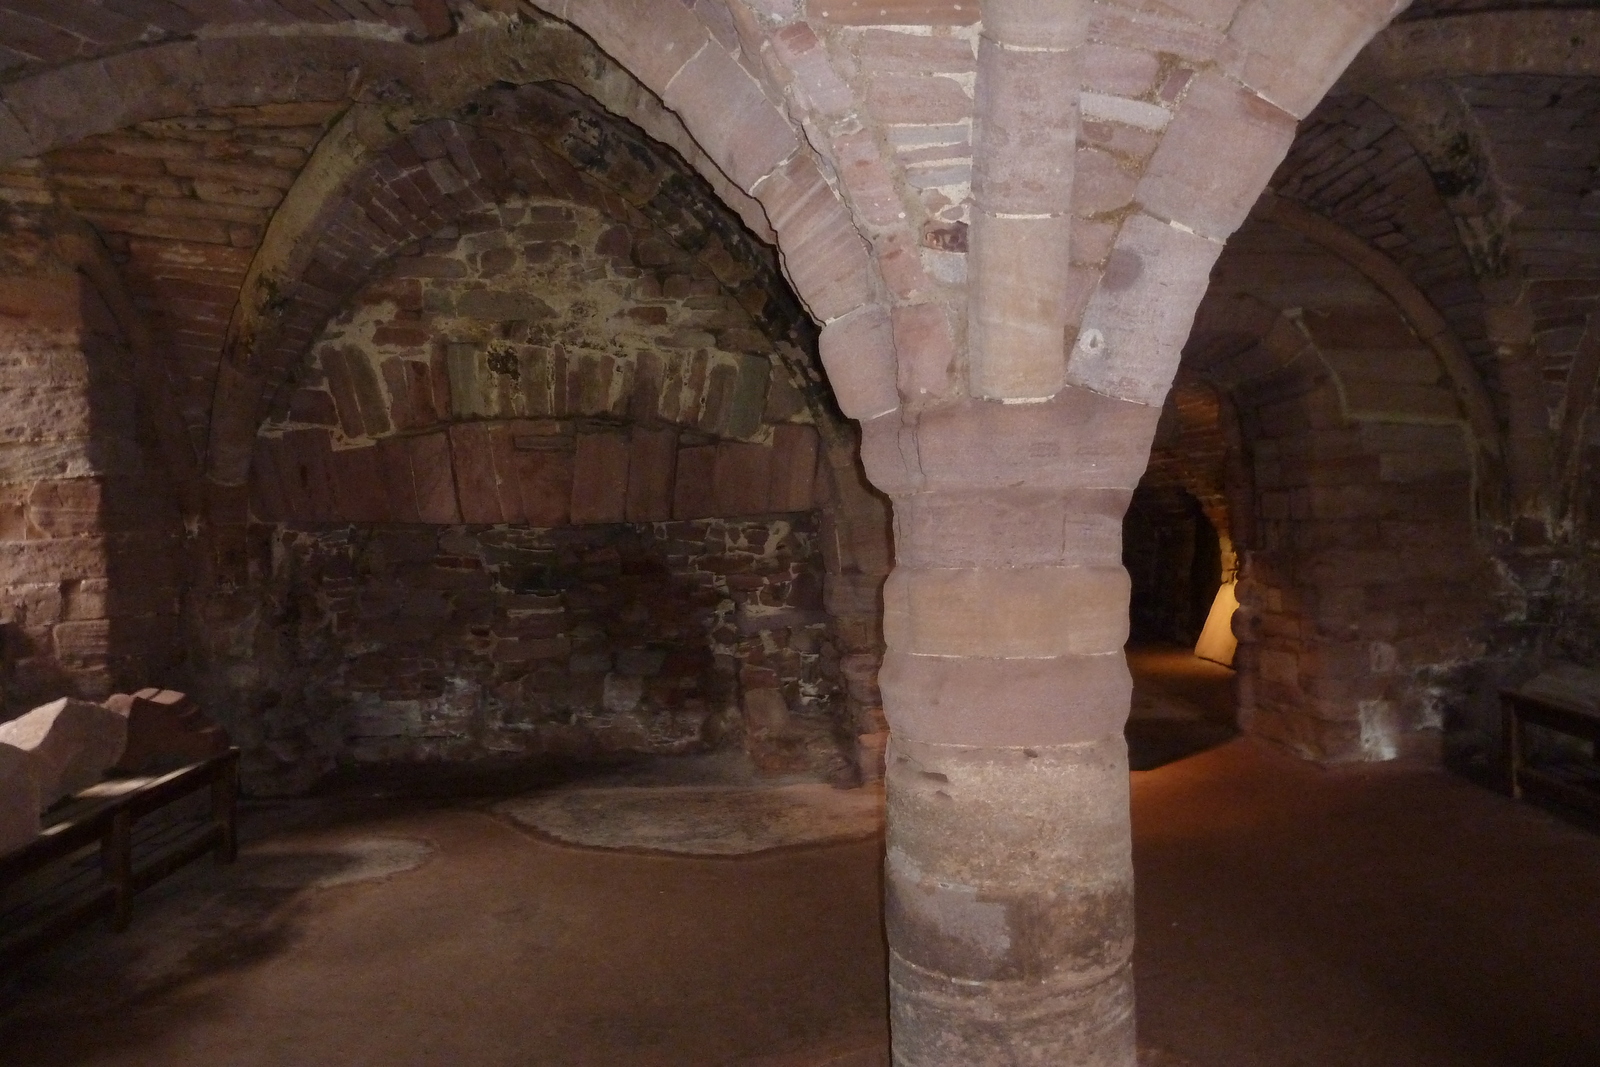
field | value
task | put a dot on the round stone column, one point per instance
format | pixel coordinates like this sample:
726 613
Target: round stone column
1008 869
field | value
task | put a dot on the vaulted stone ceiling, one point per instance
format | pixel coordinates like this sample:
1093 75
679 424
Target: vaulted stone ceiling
1457 163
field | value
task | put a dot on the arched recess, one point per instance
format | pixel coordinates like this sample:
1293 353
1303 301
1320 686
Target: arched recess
1496 106
353 440
529 140
1360 452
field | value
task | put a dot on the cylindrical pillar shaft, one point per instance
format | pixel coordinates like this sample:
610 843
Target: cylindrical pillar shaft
1008 869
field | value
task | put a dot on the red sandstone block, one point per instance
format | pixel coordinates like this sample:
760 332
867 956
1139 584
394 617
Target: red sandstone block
1011 527
925 351
48 302
729 115
894 12
411 393
1119 71
355 391
1137 322
1026 612
858 353
433 476
824 255
891 51
358 477
719 394
694 492
1005 702
794 468
67 104
1027 130
653 41
472 458
267 500
919 99
867 179
309 475
1036 24
741 476
502 450
1020 268
66 508
165 730
806 57
1216 157
61 559
544 476
394 469
600 478
284 462
1296 49
1077 439
652 461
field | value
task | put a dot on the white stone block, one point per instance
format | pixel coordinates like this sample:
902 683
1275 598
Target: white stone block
73 742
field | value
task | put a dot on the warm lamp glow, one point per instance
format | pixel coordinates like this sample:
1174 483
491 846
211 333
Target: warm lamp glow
1217 642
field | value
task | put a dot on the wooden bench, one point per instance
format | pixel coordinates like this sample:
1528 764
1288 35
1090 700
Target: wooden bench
1520 709
58 886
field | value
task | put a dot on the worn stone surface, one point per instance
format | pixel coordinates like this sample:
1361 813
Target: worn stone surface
540 317
701 820
1009 886
72 742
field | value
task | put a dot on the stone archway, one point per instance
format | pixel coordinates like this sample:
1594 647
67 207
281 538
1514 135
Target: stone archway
1004 275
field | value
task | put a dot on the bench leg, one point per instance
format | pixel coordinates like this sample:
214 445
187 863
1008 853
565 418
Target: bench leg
1511 727
116 863
225 812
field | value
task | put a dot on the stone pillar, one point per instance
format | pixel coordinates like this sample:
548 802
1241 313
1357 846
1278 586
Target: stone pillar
1009 877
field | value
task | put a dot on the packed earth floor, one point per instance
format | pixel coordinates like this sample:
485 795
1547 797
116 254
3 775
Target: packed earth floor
1288 916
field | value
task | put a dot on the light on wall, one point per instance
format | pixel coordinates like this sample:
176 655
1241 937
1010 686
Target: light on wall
1217 642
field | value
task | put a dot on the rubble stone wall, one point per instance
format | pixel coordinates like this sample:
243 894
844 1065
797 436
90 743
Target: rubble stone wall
402 643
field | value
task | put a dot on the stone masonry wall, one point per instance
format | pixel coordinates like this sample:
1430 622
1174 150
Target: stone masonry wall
405 643
90 538
541 490
1365 588
436 396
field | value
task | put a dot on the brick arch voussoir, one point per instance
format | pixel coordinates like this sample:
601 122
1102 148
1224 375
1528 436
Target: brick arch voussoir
733 111
428 178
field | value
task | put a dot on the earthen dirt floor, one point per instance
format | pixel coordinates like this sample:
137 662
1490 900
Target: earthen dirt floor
1288 916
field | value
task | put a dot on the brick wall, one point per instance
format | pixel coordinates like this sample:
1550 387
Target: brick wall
90 538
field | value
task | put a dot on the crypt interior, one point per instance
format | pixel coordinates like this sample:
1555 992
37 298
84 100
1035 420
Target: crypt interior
805 532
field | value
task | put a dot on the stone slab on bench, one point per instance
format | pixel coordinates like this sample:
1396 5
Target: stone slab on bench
73 742
165 730
19 798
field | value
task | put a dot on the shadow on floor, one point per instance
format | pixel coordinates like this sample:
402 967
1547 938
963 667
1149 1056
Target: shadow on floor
1182 706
